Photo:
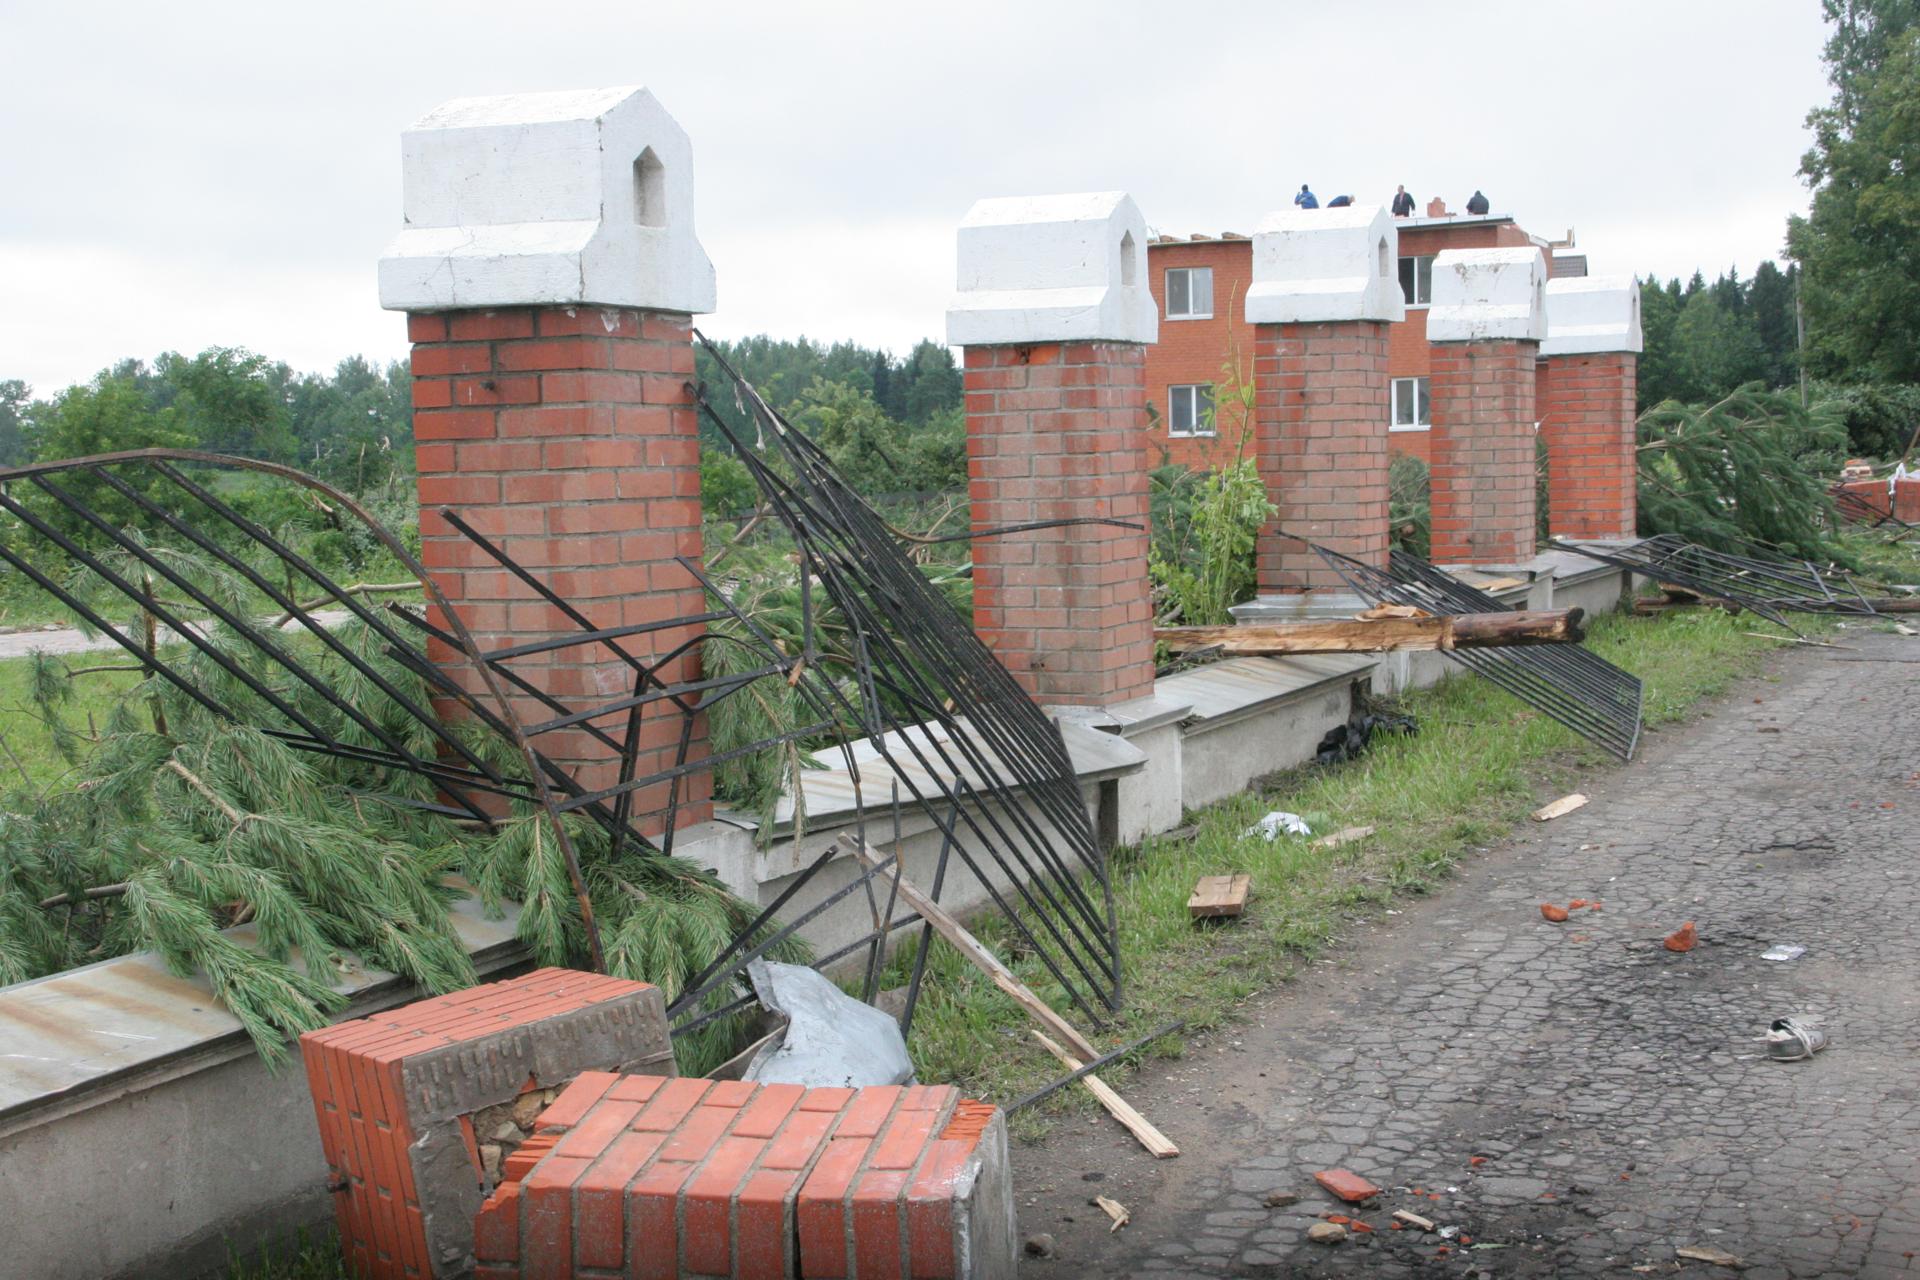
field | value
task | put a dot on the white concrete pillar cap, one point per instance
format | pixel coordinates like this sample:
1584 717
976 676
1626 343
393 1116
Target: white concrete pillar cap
1591 314
1069 268
584 197
1481 294
1326 264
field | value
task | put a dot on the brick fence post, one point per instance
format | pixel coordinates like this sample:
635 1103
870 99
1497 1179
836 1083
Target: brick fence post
1324 291
1485 325
550 270
1590 363
1054 313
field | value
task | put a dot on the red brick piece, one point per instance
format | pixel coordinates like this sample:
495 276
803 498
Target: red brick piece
394 1094
1058 431
767 1182
1346 1184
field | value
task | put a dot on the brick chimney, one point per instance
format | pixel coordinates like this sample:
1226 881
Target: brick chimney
1436 208
550 271
1054 313
1324 291
1485 326
1588 377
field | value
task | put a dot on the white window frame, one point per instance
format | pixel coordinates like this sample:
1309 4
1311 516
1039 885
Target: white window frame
1203 427
1393 405
1415 258
1167 286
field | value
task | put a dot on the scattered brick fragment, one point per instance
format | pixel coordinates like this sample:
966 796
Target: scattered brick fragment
1557 915
1346 1184
1477 1161
1683 938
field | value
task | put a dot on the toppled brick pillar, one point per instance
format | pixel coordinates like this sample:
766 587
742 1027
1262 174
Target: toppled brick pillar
550 270
1054 312
1485 326
1587 416
396 1096
1324 291
653 1179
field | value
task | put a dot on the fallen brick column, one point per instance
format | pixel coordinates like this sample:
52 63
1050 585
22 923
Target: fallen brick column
1587 413
395 1095
1054 314
1323 293
1485 326
550 271
655 1179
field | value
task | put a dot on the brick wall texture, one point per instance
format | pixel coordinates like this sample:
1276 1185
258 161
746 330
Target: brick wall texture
1483 452
656 1179
1587 421
1321 417
566 434
1058 432
393 1095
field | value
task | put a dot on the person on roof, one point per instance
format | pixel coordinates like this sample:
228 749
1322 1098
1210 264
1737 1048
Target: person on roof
1339 202
1477 206
1306 199
1402 203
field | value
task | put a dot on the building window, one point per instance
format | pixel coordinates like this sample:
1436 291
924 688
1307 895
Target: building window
1411 411
1190 410
1416 280
1189 293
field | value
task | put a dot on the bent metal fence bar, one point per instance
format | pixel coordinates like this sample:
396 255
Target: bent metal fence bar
1567 682
1769 586
956 737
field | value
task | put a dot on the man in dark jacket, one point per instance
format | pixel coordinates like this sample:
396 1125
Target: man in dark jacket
1478 205
1402 203
1306 199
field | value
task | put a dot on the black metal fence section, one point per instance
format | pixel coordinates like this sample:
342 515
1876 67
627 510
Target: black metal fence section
970 750
1769 586
1566 682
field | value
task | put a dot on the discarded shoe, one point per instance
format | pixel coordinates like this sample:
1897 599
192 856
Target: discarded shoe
1791 1040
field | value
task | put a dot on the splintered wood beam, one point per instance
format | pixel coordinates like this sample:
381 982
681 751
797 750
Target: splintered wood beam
1384 635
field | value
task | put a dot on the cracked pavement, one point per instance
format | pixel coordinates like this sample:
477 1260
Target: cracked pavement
1574 1098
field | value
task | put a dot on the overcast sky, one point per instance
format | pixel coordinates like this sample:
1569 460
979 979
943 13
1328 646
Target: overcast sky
179 176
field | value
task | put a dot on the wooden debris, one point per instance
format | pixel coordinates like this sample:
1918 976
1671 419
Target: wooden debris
1346 835
1704 1253
1384 635
1157 1143
1559 808
1115 1210
1380 611
1500 584
974 950
1413 1219
1215 896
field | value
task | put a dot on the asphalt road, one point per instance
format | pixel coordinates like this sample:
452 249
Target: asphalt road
1574 1098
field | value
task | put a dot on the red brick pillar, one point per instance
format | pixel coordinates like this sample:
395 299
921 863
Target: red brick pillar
1485 327
549 269
1325 288
1057 430
566 435
1587 415
1587 421
1320 427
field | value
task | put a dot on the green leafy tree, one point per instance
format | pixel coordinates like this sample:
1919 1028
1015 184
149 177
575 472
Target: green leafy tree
1715 347
16 422
1770 303
1859 247
1659 313
226 399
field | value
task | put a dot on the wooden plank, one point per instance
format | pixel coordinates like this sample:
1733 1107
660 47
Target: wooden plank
1219 896
973 949
1156 1142
1559 808
1383 634
1346 835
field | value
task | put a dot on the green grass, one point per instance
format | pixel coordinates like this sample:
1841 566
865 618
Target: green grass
1480 762
27 750
302 1258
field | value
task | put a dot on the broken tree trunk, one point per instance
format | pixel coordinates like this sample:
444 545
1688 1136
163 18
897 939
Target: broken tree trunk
1383 635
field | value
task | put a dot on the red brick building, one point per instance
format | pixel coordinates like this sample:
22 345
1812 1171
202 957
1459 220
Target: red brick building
1199 287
